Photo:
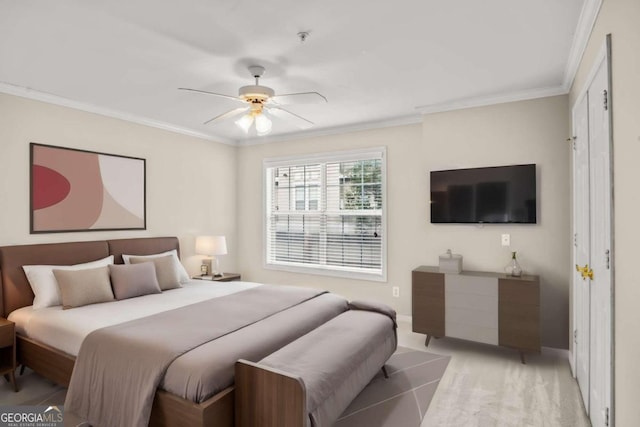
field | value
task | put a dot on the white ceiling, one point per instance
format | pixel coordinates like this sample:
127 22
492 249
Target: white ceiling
374 60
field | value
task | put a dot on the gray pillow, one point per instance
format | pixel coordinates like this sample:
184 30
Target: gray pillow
84 287
134 280
166 271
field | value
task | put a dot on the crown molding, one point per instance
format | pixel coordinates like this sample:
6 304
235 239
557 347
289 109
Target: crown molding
483 101
25 92
586 22
385 123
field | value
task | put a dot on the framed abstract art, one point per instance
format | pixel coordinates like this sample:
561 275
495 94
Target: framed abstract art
79 190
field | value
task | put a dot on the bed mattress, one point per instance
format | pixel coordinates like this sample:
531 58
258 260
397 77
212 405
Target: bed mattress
204 371
66 329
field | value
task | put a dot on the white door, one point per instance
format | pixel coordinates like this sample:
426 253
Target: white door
582 235
592 203
600 253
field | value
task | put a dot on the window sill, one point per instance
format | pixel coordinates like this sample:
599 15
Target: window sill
373 277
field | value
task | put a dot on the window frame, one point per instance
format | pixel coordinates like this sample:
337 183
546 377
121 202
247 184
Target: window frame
334 156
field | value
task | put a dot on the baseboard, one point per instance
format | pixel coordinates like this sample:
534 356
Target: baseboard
561 352
572 364
404 318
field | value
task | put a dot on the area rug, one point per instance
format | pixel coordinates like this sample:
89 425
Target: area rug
402 399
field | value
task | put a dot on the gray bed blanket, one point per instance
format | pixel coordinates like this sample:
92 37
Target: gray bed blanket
204 371
118 368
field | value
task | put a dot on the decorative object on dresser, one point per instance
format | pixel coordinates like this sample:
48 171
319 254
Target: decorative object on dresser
79 190
8 351
513 268
492 308
225 277
450 262
211 246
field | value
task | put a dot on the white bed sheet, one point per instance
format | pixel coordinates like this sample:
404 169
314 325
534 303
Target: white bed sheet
66 329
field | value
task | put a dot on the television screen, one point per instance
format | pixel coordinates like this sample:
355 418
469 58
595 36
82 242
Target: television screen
494 195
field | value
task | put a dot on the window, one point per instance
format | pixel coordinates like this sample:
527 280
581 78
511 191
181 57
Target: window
325 214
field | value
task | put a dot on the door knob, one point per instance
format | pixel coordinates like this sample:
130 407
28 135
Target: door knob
585 271
588 273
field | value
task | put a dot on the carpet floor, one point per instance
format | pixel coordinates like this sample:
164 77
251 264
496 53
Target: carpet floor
398 401
483 386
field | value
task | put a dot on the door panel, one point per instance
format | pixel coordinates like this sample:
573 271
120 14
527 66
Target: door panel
582 245
600 186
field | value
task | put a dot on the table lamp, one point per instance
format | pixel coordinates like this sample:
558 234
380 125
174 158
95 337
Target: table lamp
211 246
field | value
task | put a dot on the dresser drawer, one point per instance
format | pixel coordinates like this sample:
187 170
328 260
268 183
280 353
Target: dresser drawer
7 335
519 293
471 285
472 302
488 319
428 303
472 332
520 327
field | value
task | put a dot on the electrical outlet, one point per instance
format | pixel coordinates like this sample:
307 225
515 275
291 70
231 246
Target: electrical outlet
506 240
396 291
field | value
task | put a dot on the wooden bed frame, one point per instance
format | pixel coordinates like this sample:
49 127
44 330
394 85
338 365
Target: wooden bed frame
168 410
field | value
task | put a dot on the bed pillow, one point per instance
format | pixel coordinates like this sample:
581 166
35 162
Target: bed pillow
184 276
44 285
84 287
166 271
134 280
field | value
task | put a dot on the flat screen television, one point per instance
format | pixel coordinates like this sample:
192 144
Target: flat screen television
493 195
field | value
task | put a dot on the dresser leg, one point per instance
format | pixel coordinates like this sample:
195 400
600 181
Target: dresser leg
426 341
522 358
22 370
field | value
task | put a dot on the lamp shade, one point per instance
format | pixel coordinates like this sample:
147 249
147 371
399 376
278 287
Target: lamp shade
211 245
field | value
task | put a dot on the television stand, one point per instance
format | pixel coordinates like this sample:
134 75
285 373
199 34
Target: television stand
491 308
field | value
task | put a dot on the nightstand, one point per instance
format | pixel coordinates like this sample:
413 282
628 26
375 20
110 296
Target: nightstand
8 351
228 277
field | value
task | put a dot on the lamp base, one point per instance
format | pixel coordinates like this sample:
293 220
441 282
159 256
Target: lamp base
215 272
205 268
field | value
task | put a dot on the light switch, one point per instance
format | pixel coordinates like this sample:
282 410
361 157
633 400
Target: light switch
506 240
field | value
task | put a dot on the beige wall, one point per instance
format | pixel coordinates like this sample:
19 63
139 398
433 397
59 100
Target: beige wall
621 18
522 132
190 182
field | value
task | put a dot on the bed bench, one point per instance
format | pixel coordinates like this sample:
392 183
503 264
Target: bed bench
311 381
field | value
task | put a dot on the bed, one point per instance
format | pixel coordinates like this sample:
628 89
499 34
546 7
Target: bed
48 345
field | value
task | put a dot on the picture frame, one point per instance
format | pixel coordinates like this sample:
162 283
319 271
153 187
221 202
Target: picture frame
74 190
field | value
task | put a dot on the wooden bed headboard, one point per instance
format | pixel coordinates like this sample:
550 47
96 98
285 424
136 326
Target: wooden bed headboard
15 291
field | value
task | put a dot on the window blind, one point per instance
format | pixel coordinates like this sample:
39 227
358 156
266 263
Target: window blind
326 214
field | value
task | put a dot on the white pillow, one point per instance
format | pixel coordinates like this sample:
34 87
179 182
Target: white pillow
44 284
184 276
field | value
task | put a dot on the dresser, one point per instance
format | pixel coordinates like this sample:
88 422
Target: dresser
491 308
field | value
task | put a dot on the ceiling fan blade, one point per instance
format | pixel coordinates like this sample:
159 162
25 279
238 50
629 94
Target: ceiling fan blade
297 120
229 114
299 98
235 98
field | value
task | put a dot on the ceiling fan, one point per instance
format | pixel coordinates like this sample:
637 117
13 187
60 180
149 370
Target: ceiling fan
260 102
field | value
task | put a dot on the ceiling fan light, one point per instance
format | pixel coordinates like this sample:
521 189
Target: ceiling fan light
245 122
263 125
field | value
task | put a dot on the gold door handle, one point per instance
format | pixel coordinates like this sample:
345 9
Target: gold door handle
585 271
588 273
